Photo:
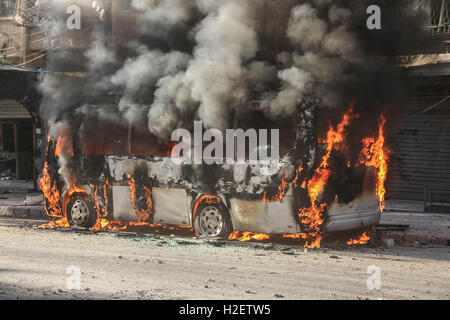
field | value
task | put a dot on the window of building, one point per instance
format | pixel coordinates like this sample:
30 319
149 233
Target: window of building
125 4
7 7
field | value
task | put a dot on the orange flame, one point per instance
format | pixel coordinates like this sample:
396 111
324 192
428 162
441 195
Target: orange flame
144 214
106 187
206 198
248 236
58 147
61 223
297 176
114 225
253 236
62 146
374 153
96 203
282 188
363 239
101 212
51 194
312 216
105 224
294 236
50 191
73 188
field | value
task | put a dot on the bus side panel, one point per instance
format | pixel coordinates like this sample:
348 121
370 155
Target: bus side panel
171 206
122 206
363 211
264 217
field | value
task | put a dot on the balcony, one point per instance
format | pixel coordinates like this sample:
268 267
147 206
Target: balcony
440 18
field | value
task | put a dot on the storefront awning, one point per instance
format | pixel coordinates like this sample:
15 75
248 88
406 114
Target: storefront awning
11 110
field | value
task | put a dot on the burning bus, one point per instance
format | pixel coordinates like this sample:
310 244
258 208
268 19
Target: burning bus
100 174
230 64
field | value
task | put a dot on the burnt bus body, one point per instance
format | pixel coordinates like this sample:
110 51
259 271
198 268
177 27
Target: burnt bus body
214 199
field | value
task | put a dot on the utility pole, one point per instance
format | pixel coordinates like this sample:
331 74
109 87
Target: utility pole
25 43
441 16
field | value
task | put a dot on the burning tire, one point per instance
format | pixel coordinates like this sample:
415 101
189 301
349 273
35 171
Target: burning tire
80 211
212 221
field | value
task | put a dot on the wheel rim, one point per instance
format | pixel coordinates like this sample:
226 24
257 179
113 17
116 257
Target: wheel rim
211 221
80 212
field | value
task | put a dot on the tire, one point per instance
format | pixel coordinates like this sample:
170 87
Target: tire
80 211
212 221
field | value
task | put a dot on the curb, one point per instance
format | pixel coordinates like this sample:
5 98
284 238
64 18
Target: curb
6 211
24 212
414 238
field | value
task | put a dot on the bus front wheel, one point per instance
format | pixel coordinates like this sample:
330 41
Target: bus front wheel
212 221
80 211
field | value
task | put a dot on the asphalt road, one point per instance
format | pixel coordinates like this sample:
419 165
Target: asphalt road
46 264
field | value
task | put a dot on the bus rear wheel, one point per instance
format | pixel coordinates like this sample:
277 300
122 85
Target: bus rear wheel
80 211
212 222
